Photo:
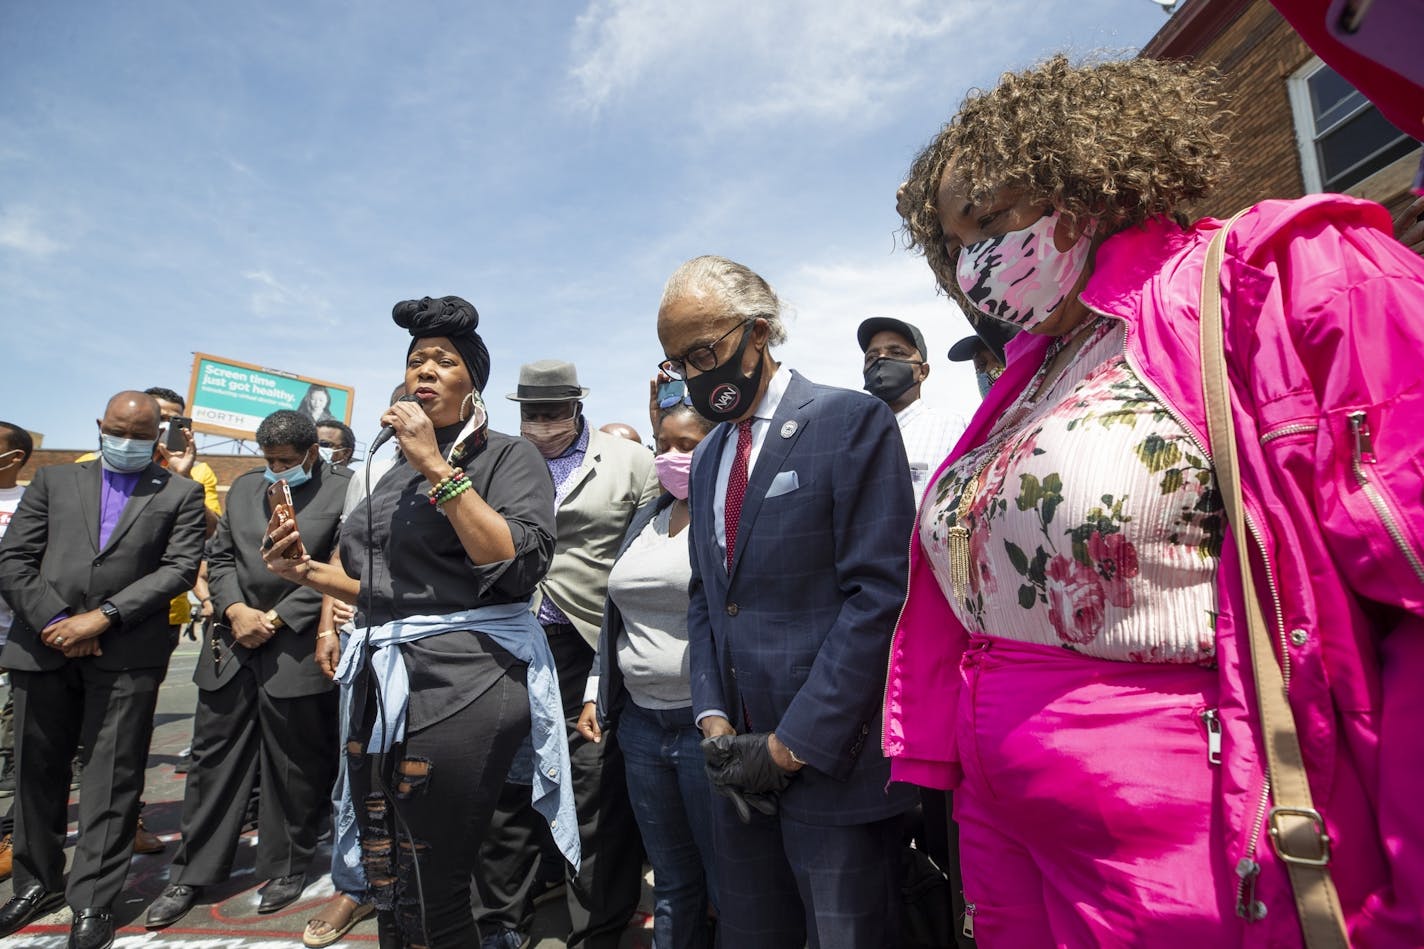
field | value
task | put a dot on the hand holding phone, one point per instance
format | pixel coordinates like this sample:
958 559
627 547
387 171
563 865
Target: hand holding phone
176 440
279 499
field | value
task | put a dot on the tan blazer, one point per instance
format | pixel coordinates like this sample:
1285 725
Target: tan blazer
615 479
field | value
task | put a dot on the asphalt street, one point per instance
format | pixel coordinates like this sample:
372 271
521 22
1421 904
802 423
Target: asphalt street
226 917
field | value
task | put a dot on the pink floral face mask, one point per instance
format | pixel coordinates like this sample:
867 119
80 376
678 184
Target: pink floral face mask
1020 277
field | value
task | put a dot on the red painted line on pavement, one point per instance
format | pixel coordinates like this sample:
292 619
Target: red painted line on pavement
51 929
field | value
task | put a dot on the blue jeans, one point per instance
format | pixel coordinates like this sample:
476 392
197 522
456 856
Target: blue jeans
672 802
346 873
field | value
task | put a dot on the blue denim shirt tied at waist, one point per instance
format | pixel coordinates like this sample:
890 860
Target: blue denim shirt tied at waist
515 629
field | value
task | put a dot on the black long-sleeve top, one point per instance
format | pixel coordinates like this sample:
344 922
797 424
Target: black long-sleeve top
417 565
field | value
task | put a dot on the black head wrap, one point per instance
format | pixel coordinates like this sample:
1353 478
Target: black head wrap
453 318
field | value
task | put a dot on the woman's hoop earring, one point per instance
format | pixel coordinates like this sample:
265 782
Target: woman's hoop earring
467 405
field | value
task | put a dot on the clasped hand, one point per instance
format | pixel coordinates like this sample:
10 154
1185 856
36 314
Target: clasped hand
249 626
76 636
741 768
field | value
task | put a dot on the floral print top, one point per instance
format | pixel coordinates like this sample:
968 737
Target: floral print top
1096 525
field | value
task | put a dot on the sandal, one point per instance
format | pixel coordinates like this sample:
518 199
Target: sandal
334 921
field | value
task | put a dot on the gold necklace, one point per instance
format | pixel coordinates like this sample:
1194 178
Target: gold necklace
961 568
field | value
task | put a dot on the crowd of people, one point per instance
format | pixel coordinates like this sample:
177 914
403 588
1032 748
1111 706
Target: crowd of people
1135 657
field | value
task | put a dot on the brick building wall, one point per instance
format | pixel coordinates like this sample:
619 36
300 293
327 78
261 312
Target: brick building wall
1256 51
227 467
1255 55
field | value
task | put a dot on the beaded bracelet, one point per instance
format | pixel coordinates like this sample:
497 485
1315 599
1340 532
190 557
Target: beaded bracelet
445 482
454 475
449 489
459 489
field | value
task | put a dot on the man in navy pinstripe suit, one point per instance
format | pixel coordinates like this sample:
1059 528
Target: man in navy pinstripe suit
801 517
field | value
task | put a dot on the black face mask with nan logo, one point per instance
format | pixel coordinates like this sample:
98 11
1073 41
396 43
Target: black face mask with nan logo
723 393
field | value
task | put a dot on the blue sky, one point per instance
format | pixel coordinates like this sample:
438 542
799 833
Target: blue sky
263 180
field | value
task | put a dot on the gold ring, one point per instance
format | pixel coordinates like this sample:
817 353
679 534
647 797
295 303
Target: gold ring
59 640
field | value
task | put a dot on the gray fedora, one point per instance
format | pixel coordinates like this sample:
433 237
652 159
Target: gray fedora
548 380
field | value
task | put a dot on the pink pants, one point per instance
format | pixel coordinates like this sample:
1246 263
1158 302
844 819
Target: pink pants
1085 816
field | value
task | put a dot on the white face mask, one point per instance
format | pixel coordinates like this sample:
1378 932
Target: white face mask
1020 277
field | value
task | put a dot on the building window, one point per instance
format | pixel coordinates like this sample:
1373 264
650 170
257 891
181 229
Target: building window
1343 139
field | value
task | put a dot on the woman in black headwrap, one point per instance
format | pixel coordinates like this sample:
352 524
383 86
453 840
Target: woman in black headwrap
441 560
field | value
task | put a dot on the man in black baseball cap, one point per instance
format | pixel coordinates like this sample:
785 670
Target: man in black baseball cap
895 368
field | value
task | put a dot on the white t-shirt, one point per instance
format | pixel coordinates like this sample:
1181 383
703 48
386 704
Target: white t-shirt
9 501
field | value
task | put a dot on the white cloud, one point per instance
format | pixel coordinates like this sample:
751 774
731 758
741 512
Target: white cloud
831 298
19 232
276 298
737 61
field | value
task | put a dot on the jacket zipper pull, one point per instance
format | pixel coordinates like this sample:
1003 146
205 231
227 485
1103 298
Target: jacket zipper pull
968 929
1213 735
1247 906
1364 443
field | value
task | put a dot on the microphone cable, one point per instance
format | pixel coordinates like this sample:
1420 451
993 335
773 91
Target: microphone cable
381 781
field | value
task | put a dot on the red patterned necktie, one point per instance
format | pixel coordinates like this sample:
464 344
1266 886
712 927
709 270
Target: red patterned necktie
737 486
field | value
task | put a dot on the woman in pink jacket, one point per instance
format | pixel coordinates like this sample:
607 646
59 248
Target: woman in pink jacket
1072 655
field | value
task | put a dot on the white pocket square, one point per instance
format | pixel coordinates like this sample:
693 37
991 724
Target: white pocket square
784 483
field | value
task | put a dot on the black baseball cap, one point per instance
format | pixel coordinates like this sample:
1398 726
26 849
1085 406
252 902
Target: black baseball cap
993 334
877 324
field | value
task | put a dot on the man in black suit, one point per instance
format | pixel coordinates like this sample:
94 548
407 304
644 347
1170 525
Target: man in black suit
260 691
89 563
801 518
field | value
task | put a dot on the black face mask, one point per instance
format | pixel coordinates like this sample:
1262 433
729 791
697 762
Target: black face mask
888 379
722 394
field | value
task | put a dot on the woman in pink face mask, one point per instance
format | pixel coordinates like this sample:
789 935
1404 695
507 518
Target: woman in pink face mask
639 685
1073 658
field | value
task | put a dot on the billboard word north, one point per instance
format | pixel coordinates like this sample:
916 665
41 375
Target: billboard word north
227 397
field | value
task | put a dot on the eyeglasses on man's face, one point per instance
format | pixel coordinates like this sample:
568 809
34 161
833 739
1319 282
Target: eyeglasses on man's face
702 358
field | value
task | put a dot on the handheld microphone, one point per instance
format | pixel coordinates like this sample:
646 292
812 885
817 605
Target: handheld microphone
387 431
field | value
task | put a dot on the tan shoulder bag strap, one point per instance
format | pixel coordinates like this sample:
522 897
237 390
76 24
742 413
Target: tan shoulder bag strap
1297 830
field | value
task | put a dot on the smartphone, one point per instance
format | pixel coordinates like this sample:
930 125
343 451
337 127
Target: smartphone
279 499
175 441
671 393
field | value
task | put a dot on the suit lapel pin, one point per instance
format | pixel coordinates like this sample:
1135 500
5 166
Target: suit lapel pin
788 429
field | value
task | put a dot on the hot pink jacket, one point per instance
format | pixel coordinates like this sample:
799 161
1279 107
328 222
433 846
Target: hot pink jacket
1324 316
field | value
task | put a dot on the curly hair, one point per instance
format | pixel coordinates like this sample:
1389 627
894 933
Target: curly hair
1119 142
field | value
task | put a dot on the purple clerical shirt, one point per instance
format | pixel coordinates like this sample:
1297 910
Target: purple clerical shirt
114 493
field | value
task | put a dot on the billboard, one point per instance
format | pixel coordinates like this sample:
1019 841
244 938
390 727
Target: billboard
227 397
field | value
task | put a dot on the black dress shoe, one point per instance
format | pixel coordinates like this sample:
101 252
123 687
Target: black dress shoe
172 904
27 905
280 892
92 929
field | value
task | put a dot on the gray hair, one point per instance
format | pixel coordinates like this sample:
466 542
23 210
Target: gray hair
744 292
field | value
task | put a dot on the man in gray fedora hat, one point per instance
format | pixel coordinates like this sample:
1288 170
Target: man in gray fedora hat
599 481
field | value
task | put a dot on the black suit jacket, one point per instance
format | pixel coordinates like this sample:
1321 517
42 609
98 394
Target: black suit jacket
50 562
236 574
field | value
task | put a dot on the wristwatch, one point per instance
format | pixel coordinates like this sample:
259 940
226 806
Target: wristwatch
274 619
111 613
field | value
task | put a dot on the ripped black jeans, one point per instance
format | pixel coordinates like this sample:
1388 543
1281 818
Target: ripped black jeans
447 778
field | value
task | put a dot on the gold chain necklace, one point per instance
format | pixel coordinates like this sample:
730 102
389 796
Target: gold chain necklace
1068 347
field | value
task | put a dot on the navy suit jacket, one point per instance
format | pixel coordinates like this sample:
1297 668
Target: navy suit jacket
794 639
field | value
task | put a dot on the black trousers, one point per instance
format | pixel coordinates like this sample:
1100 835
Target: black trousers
295 739
603 895
109 715
423 809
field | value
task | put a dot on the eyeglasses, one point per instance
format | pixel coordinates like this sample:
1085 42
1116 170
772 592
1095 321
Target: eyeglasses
702 358
669 401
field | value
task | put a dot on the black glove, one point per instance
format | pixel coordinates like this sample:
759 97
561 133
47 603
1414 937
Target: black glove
741 769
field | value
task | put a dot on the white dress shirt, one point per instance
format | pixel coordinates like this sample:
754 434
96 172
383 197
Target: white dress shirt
928 437
761 422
